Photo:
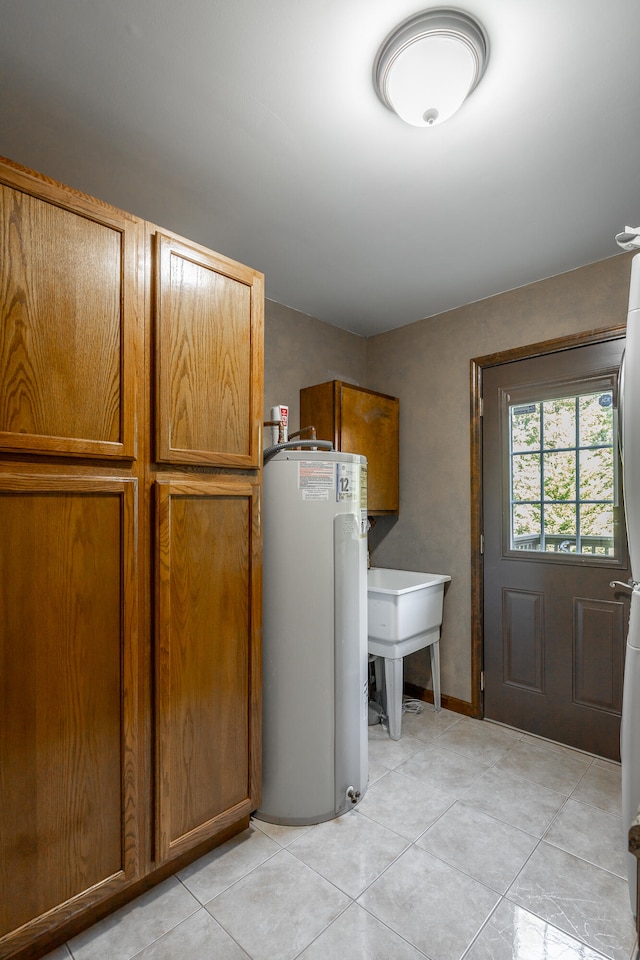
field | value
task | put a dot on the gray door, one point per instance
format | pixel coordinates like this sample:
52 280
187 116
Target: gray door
554 630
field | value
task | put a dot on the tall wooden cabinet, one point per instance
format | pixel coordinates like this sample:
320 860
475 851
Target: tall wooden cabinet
130 410
361 421
208 385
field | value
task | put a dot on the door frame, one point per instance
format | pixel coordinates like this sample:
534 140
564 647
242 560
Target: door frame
477 367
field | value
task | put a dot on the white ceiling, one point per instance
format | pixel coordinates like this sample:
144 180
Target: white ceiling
252 127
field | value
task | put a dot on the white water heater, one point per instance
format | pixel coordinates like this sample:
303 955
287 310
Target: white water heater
314 641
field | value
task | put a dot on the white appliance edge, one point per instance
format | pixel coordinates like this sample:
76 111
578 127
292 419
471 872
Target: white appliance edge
630 416
315 675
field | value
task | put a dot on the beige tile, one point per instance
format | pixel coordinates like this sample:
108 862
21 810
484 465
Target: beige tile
281 833
431 904
560 748
131 928
350 851
390 753
601 787
429 725
404 805
591 834
495 725
295 883
513 933
278 909
61 953
358 935
378 731
211 874
479 741
442 769
585 901
376 770
199 937
524 804
479 845
611 765
559 771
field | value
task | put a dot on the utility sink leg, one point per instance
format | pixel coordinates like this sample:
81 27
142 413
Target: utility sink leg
393 676
434 650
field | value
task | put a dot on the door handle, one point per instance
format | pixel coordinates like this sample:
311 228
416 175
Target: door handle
631 585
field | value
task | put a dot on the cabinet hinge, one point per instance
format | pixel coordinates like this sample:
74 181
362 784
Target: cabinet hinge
482 680
482 543
481 407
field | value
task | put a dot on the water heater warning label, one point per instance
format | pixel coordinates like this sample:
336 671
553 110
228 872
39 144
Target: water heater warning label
316 479
348 480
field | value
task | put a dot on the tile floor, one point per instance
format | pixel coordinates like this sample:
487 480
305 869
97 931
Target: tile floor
473 841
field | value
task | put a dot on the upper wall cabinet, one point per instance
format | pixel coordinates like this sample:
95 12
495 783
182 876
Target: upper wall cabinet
208 354
68 266
359 421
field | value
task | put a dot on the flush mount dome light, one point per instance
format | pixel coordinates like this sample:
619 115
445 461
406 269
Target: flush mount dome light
429 65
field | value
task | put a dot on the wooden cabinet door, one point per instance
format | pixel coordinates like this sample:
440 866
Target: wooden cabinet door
68 649
208 357
369 426
83 368
208 607
68 300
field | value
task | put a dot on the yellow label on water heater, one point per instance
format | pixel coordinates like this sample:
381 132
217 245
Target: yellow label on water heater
363 488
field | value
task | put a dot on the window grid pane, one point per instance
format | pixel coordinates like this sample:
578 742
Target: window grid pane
562 475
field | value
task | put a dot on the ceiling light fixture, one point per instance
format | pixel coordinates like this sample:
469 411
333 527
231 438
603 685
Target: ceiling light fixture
429 65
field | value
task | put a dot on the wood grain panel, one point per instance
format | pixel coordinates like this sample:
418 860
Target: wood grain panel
369 426
523 639
67 327
208 357
67 735
319 408
598 653
207 656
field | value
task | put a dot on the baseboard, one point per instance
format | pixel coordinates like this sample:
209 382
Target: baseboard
449 703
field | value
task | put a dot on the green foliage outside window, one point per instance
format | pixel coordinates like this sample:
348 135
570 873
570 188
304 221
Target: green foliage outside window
563 474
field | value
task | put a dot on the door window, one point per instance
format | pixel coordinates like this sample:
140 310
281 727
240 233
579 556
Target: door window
563 475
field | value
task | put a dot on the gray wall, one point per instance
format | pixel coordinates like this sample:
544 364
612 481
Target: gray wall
426 365
300 351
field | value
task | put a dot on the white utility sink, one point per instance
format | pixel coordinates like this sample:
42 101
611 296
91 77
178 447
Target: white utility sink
405 614
402 607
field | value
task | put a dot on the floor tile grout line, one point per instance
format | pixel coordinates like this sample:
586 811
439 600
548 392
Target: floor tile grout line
166 932
500 895
545 920
229 934
313 870
519 776
409 843
482 928
413 843
238 880
394 932
605 813
507 823
574 935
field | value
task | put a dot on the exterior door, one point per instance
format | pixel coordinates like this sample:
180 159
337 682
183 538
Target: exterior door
554 629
